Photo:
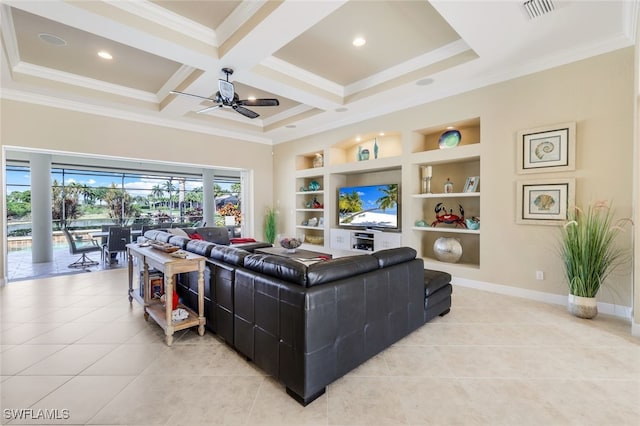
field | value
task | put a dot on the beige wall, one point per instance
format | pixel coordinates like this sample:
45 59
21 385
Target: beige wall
597 94
38 127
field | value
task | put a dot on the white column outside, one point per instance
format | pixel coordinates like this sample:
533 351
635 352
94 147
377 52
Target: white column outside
41 224
208 202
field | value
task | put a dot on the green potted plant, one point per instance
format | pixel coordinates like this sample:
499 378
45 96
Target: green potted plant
589 254
270 225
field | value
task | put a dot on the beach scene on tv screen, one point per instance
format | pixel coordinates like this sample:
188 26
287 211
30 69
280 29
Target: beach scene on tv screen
373 206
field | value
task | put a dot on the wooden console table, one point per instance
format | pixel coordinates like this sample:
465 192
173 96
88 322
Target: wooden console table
169 266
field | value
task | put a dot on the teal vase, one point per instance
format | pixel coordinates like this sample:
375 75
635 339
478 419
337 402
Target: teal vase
375 148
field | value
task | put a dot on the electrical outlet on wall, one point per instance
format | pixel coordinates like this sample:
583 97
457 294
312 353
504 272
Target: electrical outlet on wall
539 275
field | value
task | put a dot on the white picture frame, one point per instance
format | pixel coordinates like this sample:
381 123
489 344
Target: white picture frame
471 185
544 202
547 149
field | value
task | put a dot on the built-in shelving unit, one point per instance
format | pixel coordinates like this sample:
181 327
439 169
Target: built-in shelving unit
401 158
310 198
455 165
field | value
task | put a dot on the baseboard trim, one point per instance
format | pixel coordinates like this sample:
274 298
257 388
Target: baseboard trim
635 329
557 299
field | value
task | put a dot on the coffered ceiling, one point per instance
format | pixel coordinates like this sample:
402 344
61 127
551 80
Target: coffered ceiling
298 51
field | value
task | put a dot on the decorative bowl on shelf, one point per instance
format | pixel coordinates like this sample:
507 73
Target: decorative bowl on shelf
449 139
314 186
313 239
291 243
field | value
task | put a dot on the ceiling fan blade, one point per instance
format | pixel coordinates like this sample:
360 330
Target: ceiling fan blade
246 112
175 92
258 102
207 109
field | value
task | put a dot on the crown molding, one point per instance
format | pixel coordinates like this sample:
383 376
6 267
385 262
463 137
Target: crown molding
80 81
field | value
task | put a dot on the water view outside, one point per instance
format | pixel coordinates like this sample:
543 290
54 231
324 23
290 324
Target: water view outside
88 199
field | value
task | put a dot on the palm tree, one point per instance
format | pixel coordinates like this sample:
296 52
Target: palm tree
390 197
349 203
170 188
157 192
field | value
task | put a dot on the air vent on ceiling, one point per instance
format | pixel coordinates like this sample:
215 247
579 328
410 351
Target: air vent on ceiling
537 8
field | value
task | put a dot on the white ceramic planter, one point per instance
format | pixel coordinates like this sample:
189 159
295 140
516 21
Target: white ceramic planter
582 307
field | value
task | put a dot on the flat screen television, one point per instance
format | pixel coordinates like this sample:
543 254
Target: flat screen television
370 206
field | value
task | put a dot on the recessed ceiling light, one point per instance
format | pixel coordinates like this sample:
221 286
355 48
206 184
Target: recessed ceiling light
251 98
359 41
105 55
381 134
52 39
358 138
424 82
342 109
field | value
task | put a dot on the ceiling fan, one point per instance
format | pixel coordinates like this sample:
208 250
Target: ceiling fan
227 97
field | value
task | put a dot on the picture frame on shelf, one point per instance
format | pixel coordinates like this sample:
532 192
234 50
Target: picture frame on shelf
547 149
544 202
321 222
471 185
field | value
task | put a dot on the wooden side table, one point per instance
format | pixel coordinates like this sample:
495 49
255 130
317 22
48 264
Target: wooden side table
169 266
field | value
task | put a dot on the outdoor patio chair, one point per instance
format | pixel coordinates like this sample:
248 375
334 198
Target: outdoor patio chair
81 246
119 237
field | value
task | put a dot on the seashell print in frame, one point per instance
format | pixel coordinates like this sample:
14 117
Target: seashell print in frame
544 202
547 149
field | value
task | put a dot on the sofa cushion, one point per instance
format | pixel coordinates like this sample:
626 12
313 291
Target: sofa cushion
163 236
152 234
434 281
277 266
394 256
203 248
215 234
231 255
179 241
251 247
342 267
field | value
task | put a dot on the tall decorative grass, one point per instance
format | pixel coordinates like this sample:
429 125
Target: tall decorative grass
270 225
588 247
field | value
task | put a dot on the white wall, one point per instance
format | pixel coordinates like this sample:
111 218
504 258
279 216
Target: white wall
596 93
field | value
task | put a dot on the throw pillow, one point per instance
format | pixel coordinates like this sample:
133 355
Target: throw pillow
177 231
196 236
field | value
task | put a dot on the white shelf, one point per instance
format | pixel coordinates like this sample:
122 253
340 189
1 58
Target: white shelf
311 210
320 191
310 173
319 228
450 230
437 156
451 195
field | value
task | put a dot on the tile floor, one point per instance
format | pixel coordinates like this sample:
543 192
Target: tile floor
21 267
74 344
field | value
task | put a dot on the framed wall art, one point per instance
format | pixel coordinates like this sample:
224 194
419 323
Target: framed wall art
544 202
547 149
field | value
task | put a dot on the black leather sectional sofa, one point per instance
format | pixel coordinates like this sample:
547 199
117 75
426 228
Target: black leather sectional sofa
308 325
